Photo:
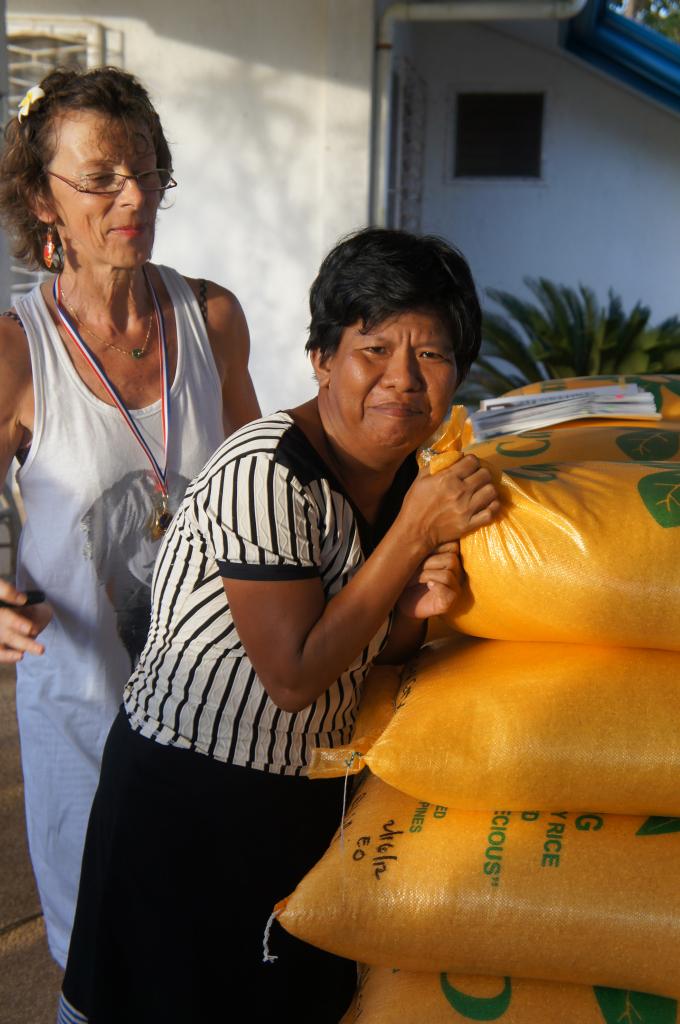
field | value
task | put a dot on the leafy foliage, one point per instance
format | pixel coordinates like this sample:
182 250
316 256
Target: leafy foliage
660 15
566 333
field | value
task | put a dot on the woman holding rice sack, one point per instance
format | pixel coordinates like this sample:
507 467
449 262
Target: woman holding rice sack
307 547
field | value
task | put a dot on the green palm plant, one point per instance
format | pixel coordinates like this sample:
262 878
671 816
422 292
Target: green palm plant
566 333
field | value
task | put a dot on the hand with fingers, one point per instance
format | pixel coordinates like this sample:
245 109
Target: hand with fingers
20 624
445 506
436 585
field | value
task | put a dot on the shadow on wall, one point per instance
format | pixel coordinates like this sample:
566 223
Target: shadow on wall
266 108
250 210
260 31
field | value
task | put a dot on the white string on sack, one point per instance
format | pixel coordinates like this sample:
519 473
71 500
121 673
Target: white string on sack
267 957
349 762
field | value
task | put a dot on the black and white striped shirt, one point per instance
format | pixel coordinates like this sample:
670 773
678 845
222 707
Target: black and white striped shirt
265 507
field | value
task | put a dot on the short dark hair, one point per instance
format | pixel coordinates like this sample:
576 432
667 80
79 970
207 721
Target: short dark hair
29 145
376 274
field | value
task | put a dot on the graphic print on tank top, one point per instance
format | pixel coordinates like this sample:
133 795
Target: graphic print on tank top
118 543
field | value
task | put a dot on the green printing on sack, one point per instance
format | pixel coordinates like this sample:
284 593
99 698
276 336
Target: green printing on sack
661 494
544 472
476 1007
621 1007
522 452
659 826
642 445
673 385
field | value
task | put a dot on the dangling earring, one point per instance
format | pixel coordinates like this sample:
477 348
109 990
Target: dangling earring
48 248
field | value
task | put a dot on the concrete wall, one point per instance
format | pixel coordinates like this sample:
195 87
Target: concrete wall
607 210
266 106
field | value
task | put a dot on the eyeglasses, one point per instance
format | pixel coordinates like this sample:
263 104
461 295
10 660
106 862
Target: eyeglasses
107 183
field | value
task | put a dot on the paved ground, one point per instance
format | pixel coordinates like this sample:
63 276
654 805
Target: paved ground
29 978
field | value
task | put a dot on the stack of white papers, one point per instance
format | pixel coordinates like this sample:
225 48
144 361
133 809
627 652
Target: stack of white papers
511 414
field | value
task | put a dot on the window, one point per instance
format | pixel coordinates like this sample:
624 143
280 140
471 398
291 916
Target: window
634 40
498 135
35 46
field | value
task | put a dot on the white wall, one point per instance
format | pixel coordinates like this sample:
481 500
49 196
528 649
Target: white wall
607 212
266 105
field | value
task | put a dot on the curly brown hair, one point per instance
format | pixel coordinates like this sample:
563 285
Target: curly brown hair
30 145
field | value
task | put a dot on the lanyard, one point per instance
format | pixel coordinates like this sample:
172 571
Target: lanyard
74 334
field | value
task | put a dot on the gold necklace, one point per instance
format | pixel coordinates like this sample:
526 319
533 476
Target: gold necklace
135 353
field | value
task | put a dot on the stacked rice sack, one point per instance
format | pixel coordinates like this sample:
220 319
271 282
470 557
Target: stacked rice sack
389 995
513 853
586 547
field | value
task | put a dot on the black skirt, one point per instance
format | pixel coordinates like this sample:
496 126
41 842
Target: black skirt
184 860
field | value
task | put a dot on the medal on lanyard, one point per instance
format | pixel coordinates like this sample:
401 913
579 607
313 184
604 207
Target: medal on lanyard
161 516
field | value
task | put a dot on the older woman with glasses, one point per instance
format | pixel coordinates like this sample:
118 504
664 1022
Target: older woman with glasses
119 378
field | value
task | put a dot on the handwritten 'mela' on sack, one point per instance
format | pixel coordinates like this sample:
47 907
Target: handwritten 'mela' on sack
583 898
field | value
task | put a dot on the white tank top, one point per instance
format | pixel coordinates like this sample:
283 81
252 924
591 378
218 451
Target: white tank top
87 489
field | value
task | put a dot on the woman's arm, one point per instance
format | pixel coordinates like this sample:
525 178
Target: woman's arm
230 341
18 629
430 591
299 644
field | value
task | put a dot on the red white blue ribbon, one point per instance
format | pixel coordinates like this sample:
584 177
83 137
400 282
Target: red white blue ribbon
160 472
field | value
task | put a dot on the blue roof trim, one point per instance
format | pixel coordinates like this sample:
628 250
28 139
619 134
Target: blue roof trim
630 52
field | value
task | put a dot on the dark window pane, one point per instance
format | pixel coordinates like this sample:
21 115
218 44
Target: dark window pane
498 135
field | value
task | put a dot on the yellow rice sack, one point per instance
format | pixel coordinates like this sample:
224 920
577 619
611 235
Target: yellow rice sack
499 724
391 996
375 710
640 443
583 551
664 386
585 899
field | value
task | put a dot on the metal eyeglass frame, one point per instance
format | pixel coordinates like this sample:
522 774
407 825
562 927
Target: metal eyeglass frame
125 178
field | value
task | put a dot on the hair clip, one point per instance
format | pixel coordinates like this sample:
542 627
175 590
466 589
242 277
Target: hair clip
32 96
